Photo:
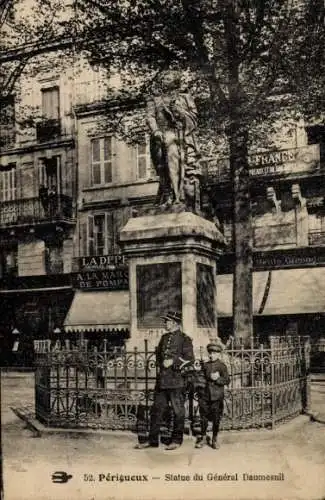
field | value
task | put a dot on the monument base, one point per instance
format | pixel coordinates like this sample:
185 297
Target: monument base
172 267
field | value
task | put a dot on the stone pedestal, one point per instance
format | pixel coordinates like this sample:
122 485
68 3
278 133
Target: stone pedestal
172 266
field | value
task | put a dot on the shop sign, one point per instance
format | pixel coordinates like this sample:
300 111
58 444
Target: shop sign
287 161
110 279
275 260
282 261
93 262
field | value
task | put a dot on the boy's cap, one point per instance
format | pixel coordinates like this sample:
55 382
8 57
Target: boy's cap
214 347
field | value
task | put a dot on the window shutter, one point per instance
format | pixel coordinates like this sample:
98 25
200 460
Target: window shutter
108 159
121 217
8 183
41 171
50 103
83 238
90 235
13 183
109 232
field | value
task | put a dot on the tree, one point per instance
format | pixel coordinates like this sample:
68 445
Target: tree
252 60
30 30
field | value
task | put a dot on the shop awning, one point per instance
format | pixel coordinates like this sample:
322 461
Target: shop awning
224 292
278 292
98 311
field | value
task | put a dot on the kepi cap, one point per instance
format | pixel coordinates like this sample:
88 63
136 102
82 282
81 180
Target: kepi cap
213 346
175 316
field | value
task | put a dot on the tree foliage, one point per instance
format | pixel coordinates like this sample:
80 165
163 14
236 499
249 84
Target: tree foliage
27 29
248 62
240 51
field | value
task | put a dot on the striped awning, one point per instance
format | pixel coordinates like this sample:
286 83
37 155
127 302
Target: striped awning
107 311
278 292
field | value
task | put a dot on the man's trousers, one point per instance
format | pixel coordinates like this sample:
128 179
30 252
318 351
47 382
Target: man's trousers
162 398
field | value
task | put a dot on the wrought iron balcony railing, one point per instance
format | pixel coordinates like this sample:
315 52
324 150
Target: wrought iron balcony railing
33 210
316 238
47 130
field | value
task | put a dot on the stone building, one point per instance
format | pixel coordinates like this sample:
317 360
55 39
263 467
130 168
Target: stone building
37 208
114 179
68 184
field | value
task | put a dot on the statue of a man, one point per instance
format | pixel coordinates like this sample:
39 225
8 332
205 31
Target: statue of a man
172 120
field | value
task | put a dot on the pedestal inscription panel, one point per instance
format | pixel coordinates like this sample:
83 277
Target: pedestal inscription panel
159 289
205 295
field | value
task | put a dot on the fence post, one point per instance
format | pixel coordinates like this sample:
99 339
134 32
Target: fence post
146 385
307 377
272 347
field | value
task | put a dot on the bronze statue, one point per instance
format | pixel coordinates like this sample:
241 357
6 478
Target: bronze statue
172 121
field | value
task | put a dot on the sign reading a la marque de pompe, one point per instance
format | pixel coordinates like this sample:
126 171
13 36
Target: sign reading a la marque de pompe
111 279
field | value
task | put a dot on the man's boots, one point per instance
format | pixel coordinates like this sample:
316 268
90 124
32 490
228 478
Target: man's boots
215 445
199 442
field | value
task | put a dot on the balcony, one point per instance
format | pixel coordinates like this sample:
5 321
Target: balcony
33 211
316 238
47 130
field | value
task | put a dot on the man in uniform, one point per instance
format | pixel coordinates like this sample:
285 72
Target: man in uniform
174 357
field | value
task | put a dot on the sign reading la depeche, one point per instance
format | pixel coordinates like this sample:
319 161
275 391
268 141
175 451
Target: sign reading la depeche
101 262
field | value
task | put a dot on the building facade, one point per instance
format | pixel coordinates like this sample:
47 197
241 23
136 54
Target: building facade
69 183
37 210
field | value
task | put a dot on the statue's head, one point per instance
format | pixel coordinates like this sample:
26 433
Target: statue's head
170 80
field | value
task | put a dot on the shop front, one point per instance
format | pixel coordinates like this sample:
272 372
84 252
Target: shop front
27 316
100 310
285 302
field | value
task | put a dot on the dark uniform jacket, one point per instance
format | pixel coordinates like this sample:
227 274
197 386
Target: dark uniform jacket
214 389
178 347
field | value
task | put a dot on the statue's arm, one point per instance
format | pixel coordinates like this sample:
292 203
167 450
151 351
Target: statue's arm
151 117
190 114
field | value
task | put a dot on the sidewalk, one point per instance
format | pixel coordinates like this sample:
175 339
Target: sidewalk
101 465
318 398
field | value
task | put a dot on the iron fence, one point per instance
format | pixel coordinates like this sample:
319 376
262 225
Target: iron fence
113 389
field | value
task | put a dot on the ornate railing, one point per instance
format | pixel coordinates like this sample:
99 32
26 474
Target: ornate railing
316 238
47 130
33 210
78 387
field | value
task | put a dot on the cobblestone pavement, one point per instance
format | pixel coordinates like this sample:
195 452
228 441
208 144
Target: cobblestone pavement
93 460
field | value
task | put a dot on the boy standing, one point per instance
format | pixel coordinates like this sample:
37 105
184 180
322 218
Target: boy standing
211 395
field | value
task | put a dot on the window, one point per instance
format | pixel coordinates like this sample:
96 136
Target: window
101 161
8 183
143 159
49 173
8 262
7 121
101 232
51 103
